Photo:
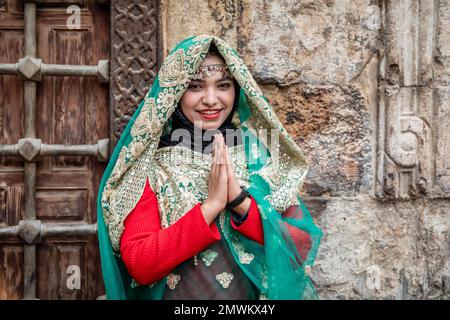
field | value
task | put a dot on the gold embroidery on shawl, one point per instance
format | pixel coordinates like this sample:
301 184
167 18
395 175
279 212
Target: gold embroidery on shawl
262 296
264 278
147 121
203 37
172 280
224 279
134 284
195 260
208 256
307 269
186 182
119 168
127 194
244 257
172 71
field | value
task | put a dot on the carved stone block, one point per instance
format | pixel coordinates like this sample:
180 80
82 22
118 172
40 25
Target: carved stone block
134 52
413 116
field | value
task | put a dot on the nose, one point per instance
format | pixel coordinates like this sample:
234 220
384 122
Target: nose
210 97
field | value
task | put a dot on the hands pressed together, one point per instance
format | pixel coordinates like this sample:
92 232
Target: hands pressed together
223 186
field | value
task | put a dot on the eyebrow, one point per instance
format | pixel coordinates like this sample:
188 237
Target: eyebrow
218 80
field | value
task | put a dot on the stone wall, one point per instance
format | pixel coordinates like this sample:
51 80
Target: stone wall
363 87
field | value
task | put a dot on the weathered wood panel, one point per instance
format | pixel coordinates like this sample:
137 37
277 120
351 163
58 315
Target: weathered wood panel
11 270
11 93
70 110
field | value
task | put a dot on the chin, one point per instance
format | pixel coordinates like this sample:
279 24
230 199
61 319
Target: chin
208 125
211 126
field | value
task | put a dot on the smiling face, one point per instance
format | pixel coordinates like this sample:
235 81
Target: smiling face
208 101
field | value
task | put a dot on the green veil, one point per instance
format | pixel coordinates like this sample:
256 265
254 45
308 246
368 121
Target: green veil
276 171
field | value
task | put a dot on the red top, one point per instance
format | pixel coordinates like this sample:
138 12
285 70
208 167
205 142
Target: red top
150 252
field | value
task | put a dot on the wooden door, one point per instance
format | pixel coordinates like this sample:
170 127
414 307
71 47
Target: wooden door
63 106
54 124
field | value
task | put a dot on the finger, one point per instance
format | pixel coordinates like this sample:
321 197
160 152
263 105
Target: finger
227 153
224 155
213 169
224 174
215 148
230 163
224 149
230 169
216 143
224 152
219 151
223 167
218 155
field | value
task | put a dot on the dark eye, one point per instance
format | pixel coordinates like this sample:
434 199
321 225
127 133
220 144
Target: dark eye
194 86
225 85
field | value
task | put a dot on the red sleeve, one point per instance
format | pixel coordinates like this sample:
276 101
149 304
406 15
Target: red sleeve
252 227
301 238
150 252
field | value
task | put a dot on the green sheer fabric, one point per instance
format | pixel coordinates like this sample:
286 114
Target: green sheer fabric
274 173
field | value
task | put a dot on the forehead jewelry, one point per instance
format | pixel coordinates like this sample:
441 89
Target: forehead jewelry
206 71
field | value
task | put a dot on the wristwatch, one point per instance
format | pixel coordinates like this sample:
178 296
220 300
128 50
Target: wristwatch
238 200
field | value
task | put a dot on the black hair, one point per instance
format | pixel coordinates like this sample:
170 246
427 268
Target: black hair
213 49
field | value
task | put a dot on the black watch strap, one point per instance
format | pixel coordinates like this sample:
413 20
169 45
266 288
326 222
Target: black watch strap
238 200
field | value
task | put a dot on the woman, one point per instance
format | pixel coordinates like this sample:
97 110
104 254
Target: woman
192 219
